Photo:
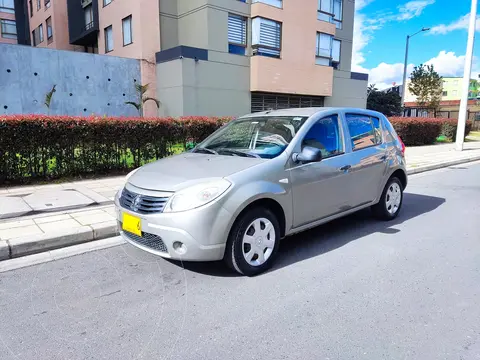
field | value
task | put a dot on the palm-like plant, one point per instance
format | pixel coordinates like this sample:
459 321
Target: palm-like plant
142 98
49 96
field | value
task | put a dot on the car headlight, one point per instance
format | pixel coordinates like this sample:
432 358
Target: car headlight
196 195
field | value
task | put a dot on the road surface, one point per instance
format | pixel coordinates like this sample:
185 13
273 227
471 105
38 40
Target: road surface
353 289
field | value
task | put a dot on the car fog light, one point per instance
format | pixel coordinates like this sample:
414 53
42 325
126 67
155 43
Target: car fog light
179 247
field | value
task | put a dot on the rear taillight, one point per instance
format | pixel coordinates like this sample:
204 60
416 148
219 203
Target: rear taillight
402 145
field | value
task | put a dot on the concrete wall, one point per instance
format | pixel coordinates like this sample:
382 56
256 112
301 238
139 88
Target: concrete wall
347 92
189 87
21 91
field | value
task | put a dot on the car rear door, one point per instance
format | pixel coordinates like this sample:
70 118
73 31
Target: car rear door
368 158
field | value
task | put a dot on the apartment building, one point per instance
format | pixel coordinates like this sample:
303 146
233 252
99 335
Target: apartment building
13 22
216 57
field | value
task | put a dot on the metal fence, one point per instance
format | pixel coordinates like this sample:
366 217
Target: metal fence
473 116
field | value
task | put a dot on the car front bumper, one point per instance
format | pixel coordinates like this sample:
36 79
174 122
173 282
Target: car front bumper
202 232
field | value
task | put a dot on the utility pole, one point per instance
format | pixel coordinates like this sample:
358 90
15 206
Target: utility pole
462 115
404 85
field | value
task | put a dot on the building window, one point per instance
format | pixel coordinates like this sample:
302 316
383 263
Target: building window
237 34
276 3
106 2
127 30
7 6
39 4
108 39
324 49
331 11
88 14
49 30
455 83
37 35
8 29
266 37
47 4
454 93
336 46
445 93
270 101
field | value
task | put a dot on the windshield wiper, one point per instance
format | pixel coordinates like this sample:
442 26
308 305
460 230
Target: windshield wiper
237 152
205 150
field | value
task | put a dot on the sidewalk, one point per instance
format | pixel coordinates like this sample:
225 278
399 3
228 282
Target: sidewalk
45 217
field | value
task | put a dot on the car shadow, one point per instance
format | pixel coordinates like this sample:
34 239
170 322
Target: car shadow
331 236
337 233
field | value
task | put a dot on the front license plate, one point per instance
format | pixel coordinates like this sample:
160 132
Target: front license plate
132 224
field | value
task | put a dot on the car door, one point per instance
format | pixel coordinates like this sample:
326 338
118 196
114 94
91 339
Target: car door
368 158
319 188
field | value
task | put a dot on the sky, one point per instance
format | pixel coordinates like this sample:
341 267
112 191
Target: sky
381 28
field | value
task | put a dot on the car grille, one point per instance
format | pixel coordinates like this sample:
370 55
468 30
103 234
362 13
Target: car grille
142 204
149 240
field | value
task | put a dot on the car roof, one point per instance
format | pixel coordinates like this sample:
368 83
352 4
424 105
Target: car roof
308 111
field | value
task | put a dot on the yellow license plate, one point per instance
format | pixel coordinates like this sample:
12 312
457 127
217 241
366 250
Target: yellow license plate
132 224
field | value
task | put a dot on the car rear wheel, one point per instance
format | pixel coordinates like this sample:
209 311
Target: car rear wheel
391 200
253 242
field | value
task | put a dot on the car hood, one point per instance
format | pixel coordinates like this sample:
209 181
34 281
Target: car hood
179 171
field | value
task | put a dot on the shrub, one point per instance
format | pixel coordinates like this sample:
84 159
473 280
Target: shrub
46 147
417 131
449 128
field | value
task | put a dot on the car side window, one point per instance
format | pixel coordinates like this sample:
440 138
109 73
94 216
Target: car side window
363 131
325 135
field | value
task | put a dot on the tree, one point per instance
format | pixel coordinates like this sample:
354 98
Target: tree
426 84
388 103
371 88
142 99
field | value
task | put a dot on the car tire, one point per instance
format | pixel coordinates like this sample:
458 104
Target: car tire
389 205
256 230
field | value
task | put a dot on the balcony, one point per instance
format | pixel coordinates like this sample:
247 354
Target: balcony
84 33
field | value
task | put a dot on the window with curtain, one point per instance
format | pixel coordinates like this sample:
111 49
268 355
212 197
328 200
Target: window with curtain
108 39
266 37
88 14
49 30
8 29
127 30
336 45
237 34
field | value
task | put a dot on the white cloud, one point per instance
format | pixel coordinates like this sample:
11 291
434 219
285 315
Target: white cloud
460 24
412 9
364 28
445 63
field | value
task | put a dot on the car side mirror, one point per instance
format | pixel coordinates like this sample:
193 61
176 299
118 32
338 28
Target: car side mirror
309 154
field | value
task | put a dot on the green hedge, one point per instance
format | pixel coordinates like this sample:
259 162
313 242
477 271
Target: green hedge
425 131
34 147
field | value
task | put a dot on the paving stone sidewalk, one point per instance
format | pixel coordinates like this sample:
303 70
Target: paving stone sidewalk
40 218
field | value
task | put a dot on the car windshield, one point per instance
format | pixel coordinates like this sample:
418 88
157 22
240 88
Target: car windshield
265 137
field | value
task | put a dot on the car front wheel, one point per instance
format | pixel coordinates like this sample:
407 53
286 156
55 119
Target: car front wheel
253 242
391 200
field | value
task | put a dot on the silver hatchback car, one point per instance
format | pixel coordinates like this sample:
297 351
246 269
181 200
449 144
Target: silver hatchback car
260 178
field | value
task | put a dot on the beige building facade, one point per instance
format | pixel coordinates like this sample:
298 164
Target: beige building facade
216 57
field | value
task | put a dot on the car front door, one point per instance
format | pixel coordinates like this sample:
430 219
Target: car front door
368 157
320 189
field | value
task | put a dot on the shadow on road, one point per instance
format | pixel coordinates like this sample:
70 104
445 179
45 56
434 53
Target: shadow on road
333 235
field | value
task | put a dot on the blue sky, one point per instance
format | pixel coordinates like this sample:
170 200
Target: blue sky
381 27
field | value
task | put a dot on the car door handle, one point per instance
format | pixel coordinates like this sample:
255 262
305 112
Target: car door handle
346 168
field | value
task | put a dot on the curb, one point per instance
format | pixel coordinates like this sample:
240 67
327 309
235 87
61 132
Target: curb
442 165
35 244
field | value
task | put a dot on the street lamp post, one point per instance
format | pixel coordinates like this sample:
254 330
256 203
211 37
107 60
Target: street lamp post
404 84
462 114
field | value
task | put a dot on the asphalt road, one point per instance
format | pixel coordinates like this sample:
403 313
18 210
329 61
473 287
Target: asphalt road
353 289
